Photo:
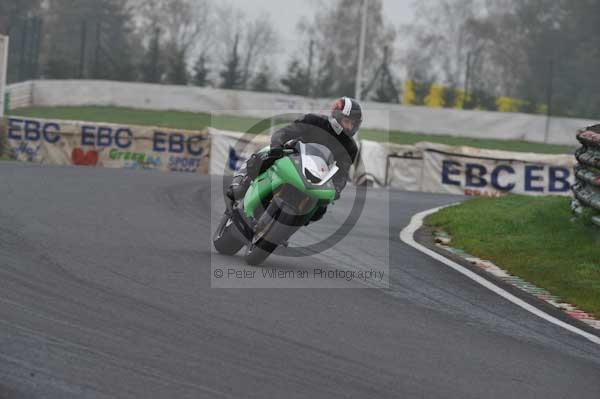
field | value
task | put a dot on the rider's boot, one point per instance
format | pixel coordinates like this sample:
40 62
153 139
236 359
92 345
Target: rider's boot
239 186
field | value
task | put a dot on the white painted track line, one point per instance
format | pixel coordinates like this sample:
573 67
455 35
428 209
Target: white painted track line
407 236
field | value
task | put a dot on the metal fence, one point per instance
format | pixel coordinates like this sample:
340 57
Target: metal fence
587 172
26 35
82 49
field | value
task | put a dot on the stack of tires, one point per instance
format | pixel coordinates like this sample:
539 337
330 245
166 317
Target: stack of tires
587 172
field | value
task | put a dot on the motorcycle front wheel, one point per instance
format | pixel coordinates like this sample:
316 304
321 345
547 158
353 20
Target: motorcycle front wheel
224 238
259 252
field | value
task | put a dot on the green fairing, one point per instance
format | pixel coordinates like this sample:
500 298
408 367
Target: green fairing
283 171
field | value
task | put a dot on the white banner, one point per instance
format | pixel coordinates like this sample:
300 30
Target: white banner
386 164
59 142
424 167
477 172
229 150
405 170
470 171
3 70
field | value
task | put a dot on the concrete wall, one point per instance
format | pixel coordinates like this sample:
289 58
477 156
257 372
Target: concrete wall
476 124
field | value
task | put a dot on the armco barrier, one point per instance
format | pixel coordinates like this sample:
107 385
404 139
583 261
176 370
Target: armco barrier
587 173
109 145
452 122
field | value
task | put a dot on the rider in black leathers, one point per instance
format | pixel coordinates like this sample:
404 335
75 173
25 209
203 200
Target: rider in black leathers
335 131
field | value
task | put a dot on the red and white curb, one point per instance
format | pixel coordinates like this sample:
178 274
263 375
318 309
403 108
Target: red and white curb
442 240
407 236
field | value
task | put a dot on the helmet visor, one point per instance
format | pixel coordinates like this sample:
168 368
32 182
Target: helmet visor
350 125
347 124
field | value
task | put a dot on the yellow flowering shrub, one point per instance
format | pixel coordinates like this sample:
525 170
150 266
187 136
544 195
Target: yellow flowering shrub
408 94
435 98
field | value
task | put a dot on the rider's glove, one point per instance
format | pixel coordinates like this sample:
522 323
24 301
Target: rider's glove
276 152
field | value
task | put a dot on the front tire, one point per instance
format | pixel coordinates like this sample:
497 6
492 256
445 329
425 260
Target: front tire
259 252
224 239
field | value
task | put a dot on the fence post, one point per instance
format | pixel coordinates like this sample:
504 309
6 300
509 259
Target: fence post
82 49
34 69
4 42
549 95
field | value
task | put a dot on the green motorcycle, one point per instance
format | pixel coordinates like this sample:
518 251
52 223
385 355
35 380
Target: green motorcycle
280 200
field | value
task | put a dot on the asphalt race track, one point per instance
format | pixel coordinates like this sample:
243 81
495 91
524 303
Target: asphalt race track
105 292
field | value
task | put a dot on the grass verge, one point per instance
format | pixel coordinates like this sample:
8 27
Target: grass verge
533 238
189 120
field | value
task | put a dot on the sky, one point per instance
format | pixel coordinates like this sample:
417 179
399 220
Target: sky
287 13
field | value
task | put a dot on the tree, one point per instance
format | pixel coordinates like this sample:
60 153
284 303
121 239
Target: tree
450 97
465 50
152 68
186 28
571 41
335 33
177 73
296 80
326 80
386 93
255 42
479 99
542 53
116 48
201 71
386 86
90 38
231 75
262 80
260 40
442 51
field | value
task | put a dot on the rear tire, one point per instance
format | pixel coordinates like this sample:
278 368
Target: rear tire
224 239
